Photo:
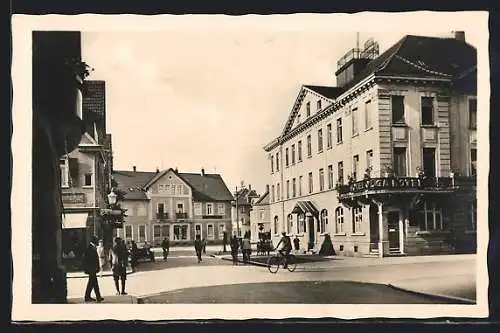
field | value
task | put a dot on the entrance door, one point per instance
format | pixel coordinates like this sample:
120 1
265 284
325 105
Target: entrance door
310 225
374 227
393 225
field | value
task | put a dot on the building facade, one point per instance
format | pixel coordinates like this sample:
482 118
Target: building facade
385 163
260 216
173 205
241 213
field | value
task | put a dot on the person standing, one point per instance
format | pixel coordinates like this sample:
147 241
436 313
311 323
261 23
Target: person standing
102 257
91 266
246 249
198 247
133 255
165 246
119 265
296 243
234 249
204 244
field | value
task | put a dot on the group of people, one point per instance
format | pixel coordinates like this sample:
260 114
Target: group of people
94 261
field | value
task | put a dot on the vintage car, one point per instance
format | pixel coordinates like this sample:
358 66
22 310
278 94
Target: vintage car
142 253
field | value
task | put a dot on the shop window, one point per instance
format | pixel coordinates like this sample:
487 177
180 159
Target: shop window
210 231
180 232
430 217
357 219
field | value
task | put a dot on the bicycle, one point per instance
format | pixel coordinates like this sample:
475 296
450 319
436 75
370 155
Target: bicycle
274 262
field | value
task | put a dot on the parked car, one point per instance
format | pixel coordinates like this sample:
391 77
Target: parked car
143 252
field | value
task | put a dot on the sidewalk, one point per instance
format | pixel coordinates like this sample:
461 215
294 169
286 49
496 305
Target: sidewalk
81 274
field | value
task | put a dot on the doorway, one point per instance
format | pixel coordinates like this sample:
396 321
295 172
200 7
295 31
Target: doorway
310 225
374 228
393 226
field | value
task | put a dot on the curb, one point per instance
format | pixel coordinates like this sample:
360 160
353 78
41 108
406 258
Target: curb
81 275
461 300
254 263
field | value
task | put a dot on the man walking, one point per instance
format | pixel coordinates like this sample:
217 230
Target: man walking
234 249
165 246
119 265
198 247
91 266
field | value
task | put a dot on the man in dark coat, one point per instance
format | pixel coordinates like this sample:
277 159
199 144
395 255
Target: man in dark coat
198 247
91 266
119 259
235 245
165 245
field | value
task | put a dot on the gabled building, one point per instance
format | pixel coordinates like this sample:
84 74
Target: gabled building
241 212
260 216
174 205
386 161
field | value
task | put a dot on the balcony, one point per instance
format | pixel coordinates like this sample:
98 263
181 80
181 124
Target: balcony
181 216
397 185
162 216
212 217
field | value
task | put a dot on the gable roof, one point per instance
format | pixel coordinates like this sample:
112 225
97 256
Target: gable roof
245 196
263 199
207 187
326 91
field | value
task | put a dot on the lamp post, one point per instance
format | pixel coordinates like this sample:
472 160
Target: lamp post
110 215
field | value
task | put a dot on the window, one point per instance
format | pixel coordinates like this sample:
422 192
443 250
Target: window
427 109
355 166
286 157
310 182
288 189
308 109
277 162
369 159
128 231
180 232
472 113
368 114
320 140
399 167
64 166
301 225
431 217
180 207
339 130
179 189
339 219
354 114
321 179
324 221
167 189
272 193
197 229
473 216
300 186
160 208
429 161
299 150
289 224
398 109
278 192
298 118
309 149
318 105
88 179
357 219
165 231
340 172
142 233
210 231
221 209
156 231
294 188
329 136
473 162
197 208
275 225
293 154
210 208
222 229
272 163
330 176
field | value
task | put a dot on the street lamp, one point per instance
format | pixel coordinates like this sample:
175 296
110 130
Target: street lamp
112 197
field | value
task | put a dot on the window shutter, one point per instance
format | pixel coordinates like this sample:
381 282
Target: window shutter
73 171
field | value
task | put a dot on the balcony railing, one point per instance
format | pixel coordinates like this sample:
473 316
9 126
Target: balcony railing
397 184
162 216
181 215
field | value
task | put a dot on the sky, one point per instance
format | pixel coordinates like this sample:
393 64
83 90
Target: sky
211 99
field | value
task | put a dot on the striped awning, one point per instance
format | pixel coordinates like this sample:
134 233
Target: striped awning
305 207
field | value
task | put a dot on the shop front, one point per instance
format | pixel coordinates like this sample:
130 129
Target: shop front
75 237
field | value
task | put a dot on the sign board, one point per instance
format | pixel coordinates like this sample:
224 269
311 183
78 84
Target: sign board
73 198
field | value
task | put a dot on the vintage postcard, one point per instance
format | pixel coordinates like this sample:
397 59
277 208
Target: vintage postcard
236 167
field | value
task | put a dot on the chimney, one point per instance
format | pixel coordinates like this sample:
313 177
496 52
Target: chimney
202 172
134 168
157 170
459 35
267 187
249 187
176 170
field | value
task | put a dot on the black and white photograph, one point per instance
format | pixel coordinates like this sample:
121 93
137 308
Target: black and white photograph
250 166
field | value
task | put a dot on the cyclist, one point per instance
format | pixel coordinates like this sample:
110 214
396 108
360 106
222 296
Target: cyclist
286 248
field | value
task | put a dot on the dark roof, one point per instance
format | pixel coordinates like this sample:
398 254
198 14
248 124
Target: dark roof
209 187
132 183
94 108
419 56
245 196
263 199
328 92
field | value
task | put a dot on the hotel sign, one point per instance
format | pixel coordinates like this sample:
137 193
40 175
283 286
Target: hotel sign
404 183
73 198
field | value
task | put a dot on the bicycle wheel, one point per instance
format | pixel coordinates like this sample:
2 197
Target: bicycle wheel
291 263
273 264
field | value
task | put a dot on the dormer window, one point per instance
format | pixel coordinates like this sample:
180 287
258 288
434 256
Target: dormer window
308 109
318 105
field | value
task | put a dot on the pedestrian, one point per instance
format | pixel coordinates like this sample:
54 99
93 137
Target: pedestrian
296 243
102 257
234 249
204 243
198 247
246 249
119 265
133 255
91 267
165 246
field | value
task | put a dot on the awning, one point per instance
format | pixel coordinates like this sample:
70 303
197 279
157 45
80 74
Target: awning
74 220
305 207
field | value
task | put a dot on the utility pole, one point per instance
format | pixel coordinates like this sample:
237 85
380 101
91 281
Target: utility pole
237 217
